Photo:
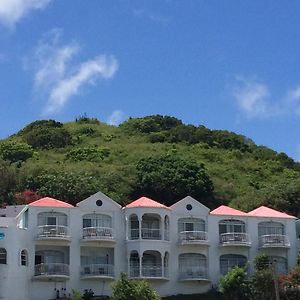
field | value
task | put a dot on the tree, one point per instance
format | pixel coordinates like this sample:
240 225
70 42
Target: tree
169 178
68 186
234 285
15 151
127 289
8 182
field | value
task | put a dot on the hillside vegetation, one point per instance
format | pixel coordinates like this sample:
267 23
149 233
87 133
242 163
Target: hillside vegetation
156 156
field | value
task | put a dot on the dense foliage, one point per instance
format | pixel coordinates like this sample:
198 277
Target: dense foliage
171 178
125 289
157 156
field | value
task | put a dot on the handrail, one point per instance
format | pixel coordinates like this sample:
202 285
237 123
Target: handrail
234 238
53 231
48 269
193 236
276 240
97 270
106 233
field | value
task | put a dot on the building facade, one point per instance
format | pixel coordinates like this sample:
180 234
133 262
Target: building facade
49 247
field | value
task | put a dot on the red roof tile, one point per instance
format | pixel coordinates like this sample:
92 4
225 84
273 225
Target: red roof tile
50 202
145 202
226 210
264 211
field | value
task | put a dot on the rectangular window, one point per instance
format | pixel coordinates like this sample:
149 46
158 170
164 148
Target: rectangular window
51 220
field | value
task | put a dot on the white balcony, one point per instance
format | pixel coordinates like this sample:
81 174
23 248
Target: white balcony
193 237
98 234
274 241
193 274
51 271
235 239
53 232
149 272
151 234
94 271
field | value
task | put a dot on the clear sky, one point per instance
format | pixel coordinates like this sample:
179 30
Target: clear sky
231 65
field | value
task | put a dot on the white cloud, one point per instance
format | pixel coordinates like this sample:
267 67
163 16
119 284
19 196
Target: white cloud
11 11
252 98
116 117
58 78
293 100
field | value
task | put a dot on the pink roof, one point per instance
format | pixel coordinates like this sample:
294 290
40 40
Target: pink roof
145 202
50 202
264 211
226 210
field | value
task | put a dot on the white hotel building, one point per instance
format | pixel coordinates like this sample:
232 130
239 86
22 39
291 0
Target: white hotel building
49 247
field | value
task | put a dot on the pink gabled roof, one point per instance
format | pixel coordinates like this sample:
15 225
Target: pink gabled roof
267 212
50 202
227 211
145 202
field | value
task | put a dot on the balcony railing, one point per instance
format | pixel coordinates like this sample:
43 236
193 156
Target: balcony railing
53 231
148 271
97 270
193 237
193 273
51 269
274 240
98 233
151 234
235 238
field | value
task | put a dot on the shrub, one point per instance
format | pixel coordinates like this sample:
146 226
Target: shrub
126 289
88 153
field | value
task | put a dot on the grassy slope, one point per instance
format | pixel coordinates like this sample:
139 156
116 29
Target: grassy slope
234 174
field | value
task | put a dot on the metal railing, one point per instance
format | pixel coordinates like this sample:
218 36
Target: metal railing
151 234
151 271
51 269
274 240
103 233
148 271
193 273
193 236
57 231
97 270
234 238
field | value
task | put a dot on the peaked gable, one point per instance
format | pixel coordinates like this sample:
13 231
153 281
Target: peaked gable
145 202
99 200
224 210
188 200
267 212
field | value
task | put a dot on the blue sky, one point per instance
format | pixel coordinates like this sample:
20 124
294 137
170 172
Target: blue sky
231 65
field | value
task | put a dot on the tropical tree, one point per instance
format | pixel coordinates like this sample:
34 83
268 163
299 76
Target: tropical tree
169 177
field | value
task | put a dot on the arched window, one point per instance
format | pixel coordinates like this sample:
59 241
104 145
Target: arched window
3 256
24 258
229 261
231 226
270 228
192 265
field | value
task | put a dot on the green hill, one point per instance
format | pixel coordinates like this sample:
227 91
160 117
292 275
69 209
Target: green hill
157 156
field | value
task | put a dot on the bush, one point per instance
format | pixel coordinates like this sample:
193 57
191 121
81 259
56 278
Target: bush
126 289
47 138
88 154
234 285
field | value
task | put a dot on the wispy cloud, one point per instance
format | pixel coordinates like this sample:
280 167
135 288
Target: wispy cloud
58 77
293 100
253 99
154 17
116 117
11 11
